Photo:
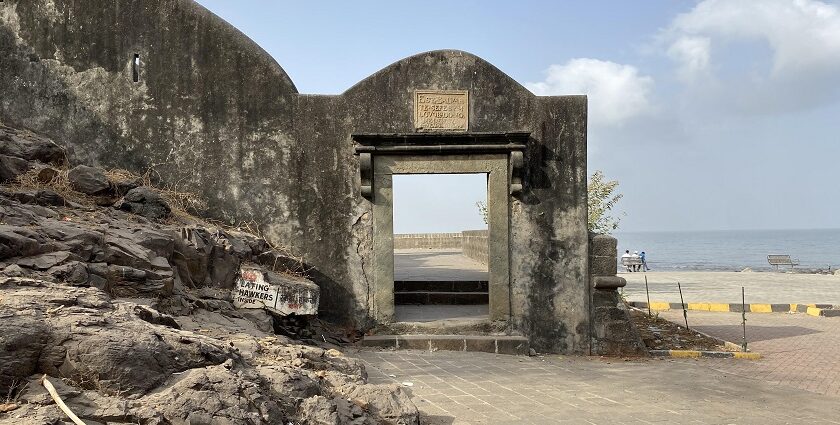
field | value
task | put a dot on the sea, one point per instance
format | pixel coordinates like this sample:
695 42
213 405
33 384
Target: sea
733 250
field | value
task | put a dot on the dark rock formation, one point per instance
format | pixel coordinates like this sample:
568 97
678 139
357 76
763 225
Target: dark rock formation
146 202
11 167
89 180
29 146
179 352
120 362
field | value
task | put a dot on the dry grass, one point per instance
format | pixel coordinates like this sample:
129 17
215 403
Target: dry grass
60 183
86 378
185 205
298 268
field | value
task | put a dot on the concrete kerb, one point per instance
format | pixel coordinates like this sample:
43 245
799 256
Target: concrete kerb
818 310
696 354
497 344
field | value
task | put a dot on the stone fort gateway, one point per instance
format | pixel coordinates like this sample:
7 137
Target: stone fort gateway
169 85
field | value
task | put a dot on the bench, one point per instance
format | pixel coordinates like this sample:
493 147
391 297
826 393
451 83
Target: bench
777 260
630 263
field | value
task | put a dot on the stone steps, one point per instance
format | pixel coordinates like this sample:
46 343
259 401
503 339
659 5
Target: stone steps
441 298
514 345
441 286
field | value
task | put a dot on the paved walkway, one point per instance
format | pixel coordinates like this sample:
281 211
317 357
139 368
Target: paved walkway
436 265
430 313
799 350
482 388
725 287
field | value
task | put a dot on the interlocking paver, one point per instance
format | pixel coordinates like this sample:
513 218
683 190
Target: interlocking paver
479 388
798 350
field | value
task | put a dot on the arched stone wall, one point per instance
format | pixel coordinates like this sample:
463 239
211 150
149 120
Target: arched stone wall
217 115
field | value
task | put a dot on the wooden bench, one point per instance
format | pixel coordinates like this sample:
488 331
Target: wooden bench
630 263
777 260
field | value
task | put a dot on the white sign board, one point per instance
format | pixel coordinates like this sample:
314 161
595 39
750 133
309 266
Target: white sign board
293 297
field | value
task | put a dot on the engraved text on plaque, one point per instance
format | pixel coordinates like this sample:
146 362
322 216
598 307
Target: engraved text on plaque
438 110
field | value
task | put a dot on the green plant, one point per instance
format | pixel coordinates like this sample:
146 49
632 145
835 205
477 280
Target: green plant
482 209
602 197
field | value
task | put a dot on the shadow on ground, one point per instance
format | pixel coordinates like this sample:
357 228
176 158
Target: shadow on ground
734 333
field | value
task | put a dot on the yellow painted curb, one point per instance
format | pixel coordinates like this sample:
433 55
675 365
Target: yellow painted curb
719 307
761 308
747 356
685 354
813 311
698 306
660 306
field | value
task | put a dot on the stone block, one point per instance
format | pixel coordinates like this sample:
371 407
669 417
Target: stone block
603 246
384 341
604 299
413 342
603 266
448 342
484 344
608 283
515 345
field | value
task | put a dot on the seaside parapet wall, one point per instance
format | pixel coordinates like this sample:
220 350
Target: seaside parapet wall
473 243
427 241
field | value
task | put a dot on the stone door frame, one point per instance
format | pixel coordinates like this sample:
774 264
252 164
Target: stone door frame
499 155
498 205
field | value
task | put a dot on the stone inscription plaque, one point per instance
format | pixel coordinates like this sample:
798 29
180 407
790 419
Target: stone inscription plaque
441 110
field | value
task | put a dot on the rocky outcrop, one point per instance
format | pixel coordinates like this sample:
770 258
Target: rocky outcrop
120 362
128 309
145 202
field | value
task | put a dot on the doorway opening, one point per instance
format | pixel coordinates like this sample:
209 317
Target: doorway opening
440 224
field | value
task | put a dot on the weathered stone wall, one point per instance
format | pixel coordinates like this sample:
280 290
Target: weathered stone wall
475 244
613 331
213 113
427 241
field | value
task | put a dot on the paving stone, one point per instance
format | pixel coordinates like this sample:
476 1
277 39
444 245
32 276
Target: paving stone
797 350
479 388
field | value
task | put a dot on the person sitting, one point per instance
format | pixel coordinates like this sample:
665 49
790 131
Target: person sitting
637 259
626 255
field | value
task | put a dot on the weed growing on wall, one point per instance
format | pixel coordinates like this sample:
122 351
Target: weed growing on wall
602 198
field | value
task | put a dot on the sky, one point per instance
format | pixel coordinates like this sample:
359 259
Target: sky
712 114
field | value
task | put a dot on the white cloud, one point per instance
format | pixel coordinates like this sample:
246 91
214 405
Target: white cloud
803 37
693 53
617 93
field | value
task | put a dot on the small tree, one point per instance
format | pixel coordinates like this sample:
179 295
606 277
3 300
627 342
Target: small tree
602 199
482 209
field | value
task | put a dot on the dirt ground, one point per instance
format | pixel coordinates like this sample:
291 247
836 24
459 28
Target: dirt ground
660 334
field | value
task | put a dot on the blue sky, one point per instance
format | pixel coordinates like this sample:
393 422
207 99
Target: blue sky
713 114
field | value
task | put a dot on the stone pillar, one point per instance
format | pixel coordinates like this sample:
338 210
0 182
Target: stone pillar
613 332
